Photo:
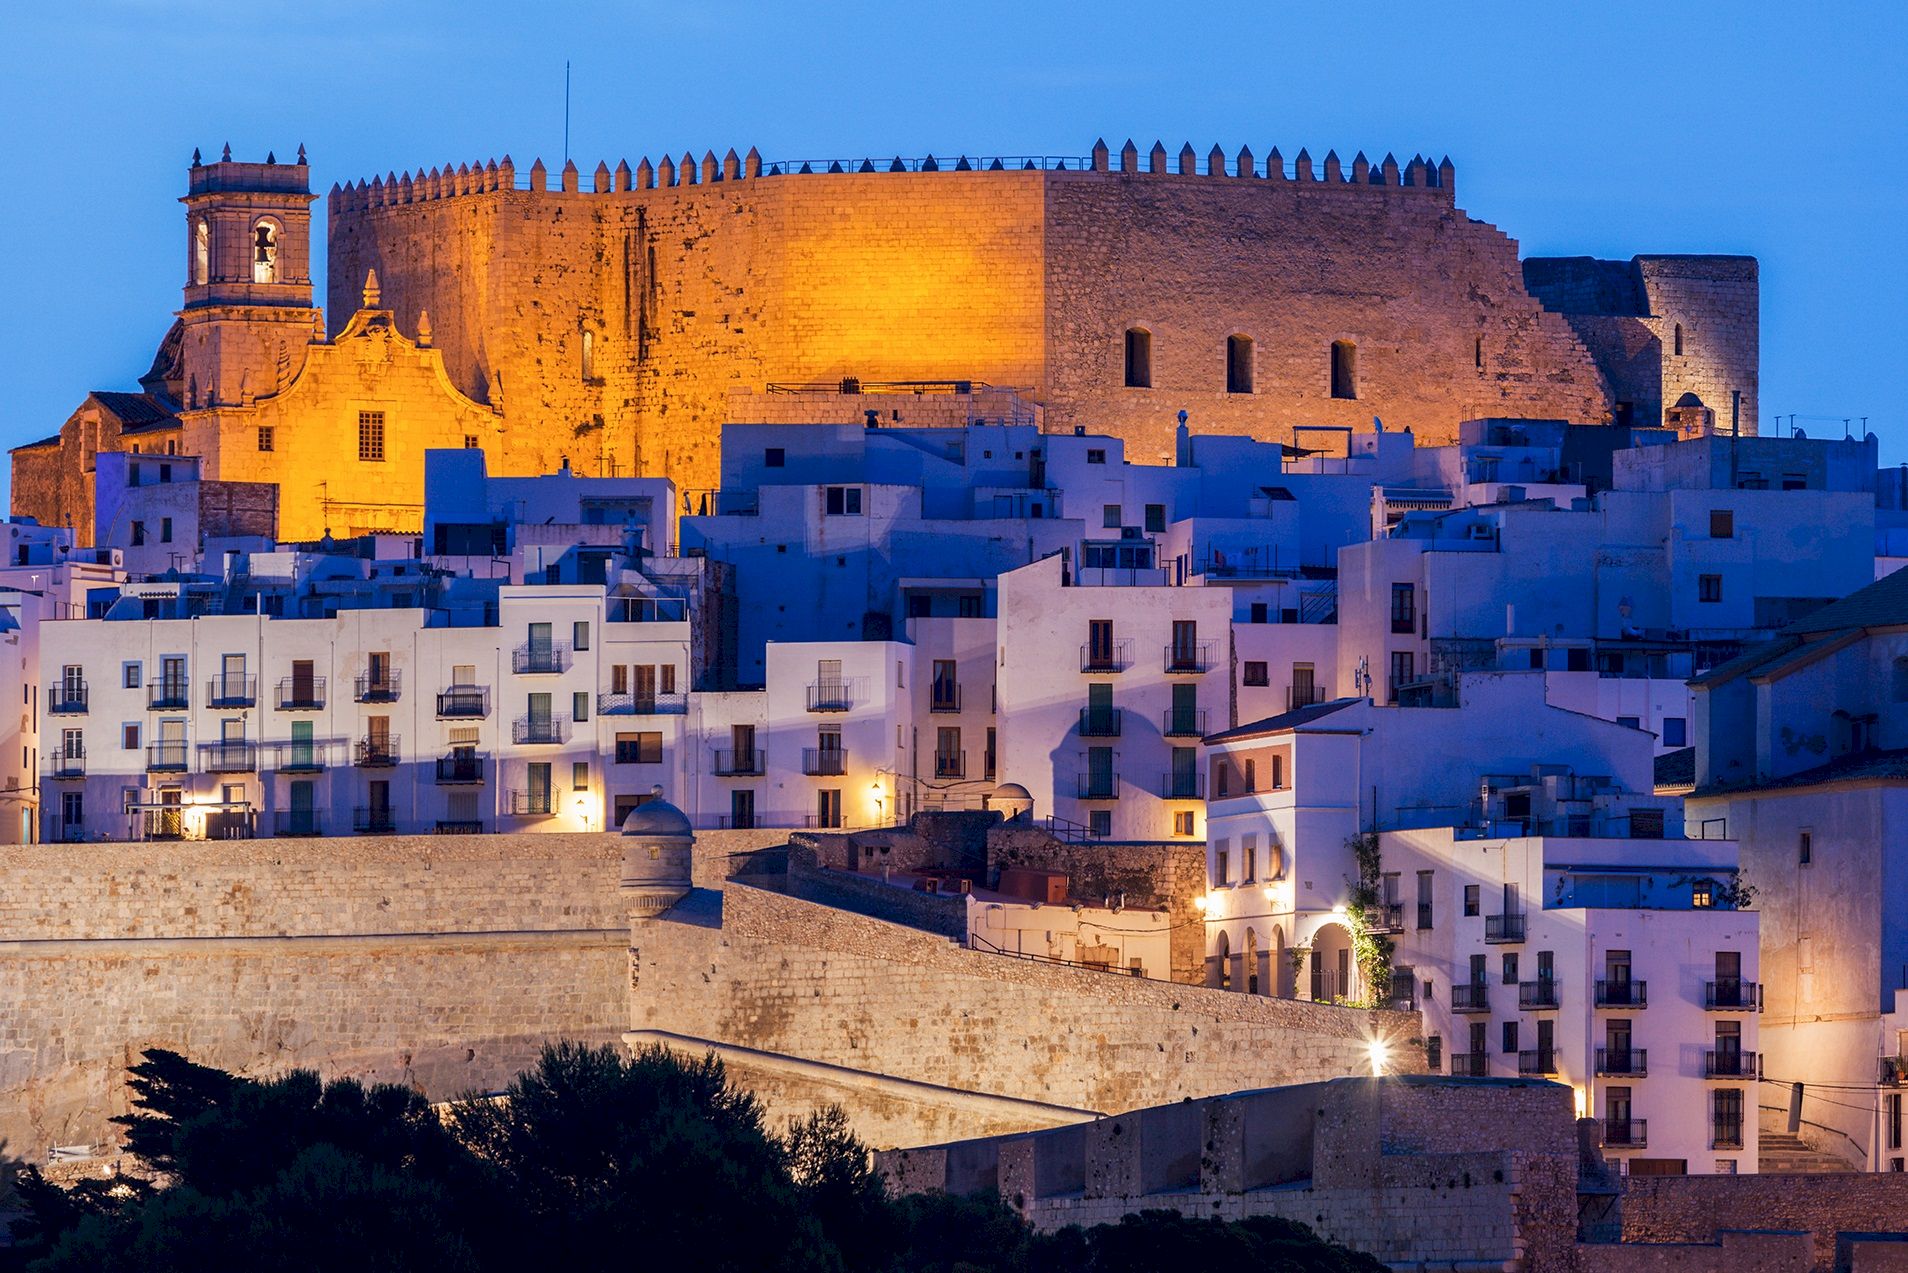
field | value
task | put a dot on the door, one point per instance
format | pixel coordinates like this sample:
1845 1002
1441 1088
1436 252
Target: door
539 787
1304 687
946 686
542 645
172 677
828 808
1100 642
303 753
742 755
170 822
645 691
742 809
1185 643
1100 716
380 669
1185 715
303 819
232 676
540 726
304 685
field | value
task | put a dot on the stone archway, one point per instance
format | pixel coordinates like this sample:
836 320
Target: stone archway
1217 963
1284 979
1334 971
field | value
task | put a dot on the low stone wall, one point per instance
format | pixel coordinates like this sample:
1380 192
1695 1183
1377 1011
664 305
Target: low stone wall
942 913
439 961
1701 1208
1729 1253
804 981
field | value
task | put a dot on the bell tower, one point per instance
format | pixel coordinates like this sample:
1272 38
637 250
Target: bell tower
248 313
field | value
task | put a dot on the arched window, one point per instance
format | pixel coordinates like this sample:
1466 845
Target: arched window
201 253
1139 358
589 354
265 253
1679 340
1344 369
1238 364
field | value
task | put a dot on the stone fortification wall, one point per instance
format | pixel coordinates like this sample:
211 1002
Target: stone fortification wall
1166 875
795 979
1701 1209
444 961
695 280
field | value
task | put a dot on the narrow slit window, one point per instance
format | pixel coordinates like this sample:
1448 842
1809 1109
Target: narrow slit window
1344 369
1139 358
1238 364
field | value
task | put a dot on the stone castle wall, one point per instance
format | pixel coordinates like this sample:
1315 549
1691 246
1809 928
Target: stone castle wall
798 980
444 961
692 292
1702 1209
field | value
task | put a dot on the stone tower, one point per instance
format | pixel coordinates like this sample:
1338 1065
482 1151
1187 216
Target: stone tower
658 846
248 311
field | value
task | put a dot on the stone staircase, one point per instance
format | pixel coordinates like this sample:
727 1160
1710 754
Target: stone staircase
1782 1152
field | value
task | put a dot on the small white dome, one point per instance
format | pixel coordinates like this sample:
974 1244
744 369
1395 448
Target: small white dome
1010 791
657 817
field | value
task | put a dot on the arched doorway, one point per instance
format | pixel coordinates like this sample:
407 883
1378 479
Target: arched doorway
1284 980
1217 961
1334 975
1253 976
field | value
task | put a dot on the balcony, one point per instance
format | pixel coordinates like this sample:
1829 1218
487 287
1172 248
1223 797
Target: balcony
1623 1062
1725 1135
163 824
1472 1065
1302 695
1470 996
1503 929
950 764
1537 1061
449 826
228 756
373 820
168 757
377 751
540 658
300 757
824 762
1182 786
1541 993
464 702
1106 657
301 694
1403 998
1732 995
298 822
945 697
1103 786
378 687
66 699
1188 658
459 770
1424 915
830 696
232 691
169 696
1387 917
59 831
1101 722
68 761
1626 1133
539 730
730 763
531 804
1623 994
1183 722
670 704
1730 1063
1893 1071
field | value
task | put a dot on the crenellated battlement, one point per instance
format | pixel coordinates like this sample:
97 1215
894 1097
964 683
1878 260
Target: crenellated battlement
487 176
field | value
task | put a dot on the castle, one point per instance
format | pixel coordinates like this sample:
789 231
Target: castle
617 326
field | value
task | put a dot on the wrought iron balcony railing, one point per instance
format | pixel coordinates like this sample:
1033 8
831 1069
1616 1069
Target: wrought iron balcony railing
464 702
301 694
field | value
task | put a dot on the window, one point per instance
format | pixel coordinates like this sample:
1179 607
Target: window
580 705
1344 369
1100 823
1702 894
1248 858
1510 969
1630 722
1727 1127
844 501
1477 353
828 808
1675 731
1510 1037
1425 879
774 457
639 748
265 437
201 253
370 436
1139 358
1183 822
1805 848
265 253
1709 587
1255 674
1679 340
1470 899
580 776
1251 774
1110 516
130 675
1238 364
1722 523
1221 864
1155 519
1402 671
1261 612
165 530
580 634
470 441
1893 1118
129 737
589 354
1096 455
1404 608
1278 771
138 534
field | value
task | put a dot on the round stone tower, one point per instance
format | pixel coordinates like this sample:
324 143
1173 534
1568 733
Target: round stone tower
657 846
1012 801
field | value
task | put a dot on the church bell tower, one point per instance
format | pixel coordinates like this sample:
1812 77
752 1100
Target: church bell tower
248 311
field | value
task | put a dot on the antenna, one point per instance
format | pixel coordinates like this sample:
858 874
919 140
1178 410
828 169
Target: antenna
566 110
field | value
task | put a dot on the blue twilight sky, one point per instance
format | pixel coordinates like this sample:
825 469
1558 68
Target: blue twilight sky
1775 129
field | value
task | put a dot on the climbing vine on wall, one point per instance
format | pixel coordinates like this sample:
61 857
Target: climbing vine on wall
1371 947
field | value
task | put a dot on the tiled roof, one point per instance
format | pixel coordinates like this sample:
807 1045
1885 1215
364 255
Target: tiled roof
1881 604
1285 720
1748 661
28 446
1676 768
1868 764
